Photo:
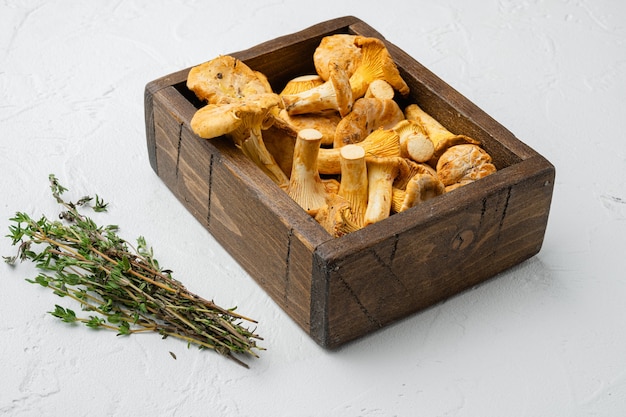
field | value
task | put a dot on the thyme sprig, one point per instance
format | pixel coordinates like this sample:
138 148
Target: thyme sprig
123 286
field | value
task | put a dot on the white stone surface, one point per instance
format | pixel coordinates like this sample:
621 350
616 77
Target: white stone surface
546 338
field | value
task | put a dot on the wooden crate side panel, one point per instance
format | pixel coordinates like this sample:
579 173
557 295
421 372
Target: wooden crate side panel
296 294
273 252
148 109
419 267
167 137
245 227
183 161
194 175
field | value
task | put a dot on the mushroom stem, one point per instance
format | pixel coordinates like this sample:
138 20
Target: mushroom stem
254 148
380 89
334 94
414 141
353 186
248 137
441 137
381 173
413 168
305 185
435 130
242 121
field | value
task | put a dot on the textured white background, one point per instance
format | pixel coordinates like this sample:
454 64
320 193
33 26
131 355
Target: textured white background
546 338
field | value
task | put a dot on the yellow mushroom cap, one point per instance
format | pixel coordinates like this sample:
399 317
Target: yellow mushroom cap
224 79
367 115
376 63
422 187
464 163
215 120
413 168
337 49
302 83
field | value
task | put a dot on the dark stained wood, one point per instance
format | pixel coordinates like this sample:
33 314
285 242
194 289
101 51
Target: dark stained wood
340 289
426 255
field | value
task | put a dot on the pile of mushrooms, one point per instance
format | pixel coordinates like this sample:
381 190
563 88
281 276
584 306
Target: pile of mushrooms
337 141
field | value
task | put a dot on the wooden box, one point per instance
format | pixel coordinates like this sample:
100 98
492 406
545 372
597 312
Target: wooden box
338 289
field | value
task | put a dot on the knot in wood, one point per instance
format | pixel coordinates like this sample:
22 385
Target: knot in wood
462 239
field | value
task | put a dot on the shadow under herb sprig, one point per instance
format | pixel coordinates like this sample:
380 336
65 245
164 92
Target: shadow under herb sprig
122 285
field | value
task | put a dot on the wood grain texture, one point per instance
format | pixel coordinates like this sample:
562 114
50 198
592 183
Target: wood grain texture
424 256
340 289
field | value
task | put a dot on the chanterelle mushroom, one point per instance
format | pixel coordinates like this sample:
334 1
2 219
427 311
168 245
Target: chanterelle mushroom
301 83
376 63
420 188
414 141
368 114
337 49
381 173
225 79
336 216
334 94
353 186
462 164
373 63
242 120
381 143
441 137
325 122
240 100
